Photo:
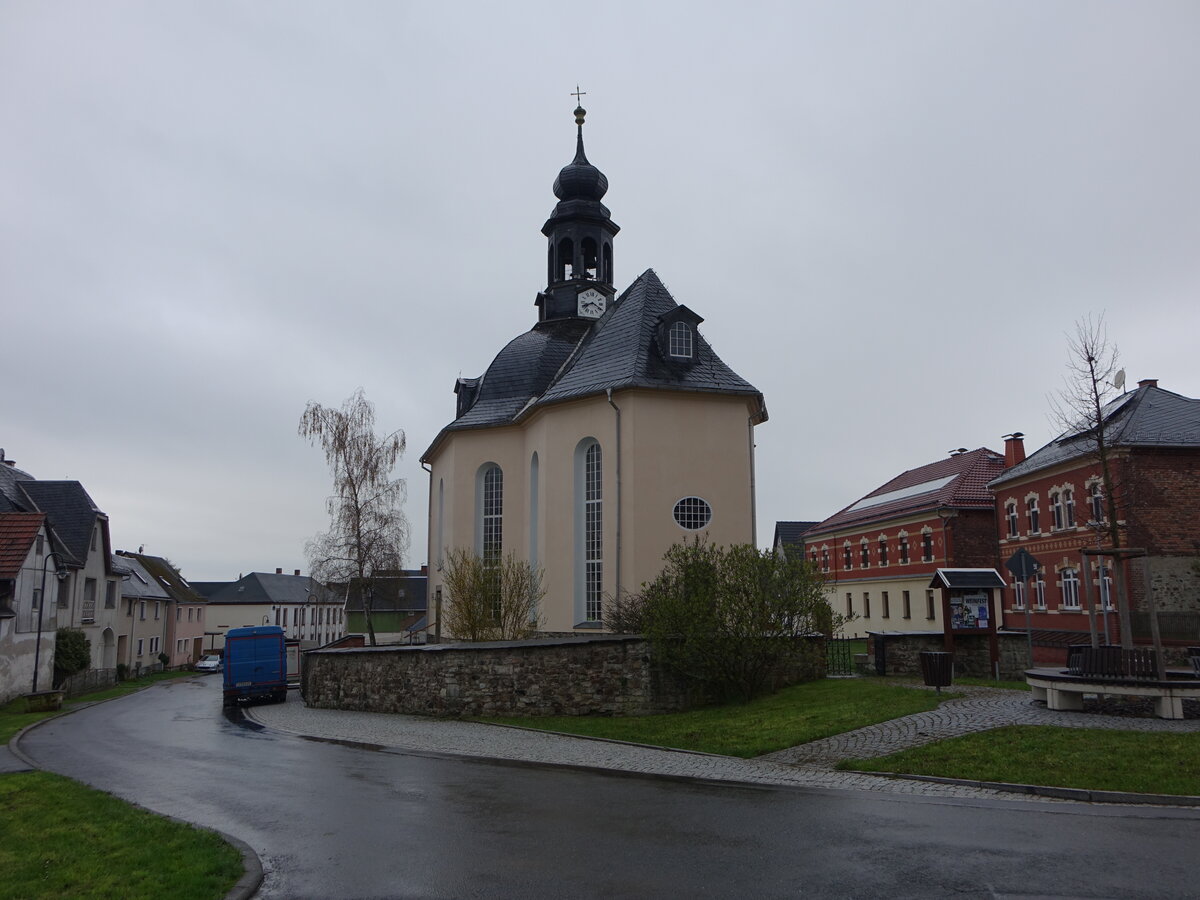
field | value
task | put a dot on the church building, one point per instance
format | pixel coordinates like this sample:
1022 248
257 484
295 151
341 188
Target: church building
600 437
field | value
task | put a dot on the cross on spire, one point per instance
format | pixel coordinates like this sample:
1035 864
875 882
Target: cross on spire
578 94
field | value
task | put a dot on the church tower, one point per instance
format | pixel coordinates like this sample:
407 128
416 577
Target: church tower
580 232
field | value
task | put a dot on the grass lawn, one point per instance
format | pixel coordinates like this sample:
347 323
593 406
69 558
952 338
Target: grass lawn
1093 759
61 839
795 715
14 717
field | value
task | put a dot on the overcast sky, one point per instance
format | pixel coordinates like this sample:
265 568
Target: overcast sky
889 214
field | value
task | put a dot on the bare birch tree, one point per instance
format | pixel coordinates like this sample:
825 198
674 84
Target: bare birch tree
368 532
1090 384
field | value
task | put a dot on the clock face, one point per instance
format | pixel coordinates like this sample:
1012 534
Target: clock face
591 304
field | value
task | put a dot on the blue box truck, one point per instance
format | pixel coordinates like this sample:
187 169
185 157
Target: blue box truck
255 664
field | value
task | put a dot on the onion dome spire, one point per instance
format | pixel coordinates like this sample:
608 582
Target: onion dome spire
580 180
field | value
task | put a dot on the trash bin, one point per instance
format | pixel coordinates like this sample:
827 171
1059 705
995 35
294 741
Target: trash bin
937 668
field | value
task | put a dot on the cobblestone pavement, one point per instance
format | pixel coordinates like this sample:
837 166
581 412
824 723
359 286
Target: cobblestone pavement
981 709
809 765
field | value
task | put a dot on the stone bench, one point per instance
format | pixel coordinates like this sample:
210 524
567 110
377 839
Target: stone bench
1062 690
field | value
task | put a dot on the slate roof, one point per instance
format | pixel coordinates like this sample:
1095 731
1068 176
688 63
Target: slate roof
388 596
958 482
10 477
72 514
165 574
141 583
791 533
17 531
267 587
572 358
208 588
1149 417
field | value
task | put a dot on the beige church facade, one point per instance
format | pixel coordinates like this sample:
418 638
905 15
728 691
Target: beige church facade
599 438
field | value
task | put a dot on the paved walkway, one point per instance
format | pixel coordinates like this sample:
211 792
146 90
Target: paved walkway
809 765
981 709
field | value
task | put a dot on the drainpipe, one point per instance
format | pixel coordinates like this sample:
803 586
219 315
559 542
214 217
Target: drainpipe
753 492
617 410
428 554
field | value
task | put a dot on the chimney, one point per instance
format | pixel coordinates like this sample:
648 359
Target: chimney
425 570
279 571
1148 382
1014 449
297 572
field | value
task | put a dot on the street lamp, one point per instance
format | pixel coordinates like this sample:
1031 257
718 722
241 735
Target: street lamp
61 574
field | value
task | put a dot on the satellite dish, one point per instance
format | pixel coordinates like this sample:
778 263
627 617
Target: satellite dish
1119 380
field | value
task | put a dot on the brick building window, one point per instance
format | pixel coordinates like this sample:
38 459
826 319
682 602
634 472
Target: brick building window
865 553
907 604
1018 595
1106 587
1056 511
1031 510
927 546
1039 591
1010 513
1068 497
1070 589
883 551
824 559
847 557
1096 498
904 549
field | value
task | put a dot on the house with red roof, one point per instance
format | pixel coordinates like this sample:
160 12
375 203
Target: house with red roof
880 553
27 624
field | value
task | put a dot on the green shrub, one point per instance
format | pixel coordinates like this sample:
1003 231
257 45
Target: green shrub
730 619
72 653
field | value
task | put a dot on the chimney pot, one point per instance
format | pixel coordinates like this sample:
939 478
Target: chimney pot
297 572
425 569
1148 382
1014 449
279 571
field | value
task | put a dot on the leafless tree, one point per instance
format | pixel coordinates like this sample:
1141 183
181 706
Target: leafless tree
368 533
1089 385
491 599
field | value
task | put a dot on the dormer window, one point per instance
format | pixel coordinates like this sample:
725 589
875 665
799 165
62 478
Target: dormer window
676 335
680 345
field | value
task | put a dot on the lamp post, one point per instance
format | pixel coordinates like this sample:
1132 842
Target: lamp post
61 574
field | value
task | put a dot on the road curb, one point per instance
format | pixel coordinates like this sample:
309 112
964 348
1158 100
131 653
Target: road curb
1081 795
243 889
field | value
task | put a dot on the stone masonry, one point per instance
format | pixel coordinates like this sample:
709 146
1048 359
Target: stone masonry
972 657
603 675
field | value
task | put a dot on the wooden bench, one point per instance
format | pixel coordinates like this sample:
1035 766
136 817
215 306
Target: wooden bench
1112 670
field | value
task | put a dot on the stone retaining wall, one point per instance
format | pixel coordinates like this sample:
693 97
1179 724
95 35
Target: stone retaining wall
972 658
602 675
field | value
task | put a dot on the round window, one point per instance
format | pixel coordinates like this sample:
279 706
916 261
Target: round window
693 513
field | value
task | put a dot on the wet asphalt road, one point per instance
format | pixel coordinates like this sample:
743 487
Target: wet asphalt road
340 821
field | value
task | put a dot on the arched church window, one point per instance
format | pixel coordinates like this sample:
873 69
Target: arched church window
566 259
550 263
680 341
491 512
591 259
589 511
608 265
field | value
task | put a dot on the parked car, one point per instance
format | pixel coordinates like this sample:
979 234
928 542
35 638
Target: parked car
209 663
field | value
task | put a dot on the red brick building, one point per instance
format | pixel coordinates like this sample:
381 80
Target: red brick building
1053 505
880 553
